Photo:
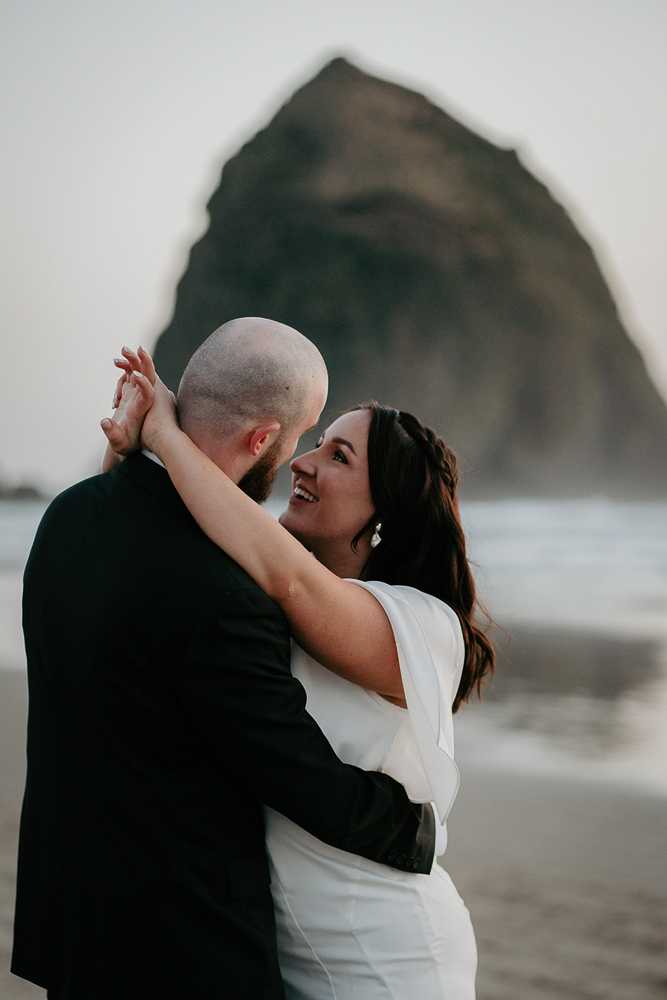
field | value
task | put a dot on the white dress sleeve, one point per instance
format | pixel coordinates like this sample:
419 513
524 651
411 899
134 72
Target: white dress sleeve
431 652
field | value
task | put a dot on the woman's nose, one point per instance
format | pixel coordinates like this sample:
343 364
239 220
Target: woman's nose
304 465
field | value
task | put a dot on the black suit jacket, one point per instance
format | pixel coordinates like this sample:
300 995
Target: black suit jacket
162 713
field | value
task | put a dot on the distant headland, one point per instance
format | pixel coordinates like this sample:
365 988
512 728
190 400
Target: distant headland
436 274
24 491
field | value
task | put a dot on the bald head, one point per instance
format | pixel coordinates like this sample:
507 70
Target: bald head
250 371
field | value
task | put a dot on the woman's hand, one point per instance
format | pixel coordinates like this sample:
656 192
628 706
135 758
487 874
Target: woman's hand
146 408
133 361
133 398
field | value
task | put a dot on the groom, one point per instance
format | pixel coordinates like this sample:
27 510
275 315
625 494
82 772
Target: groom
163 713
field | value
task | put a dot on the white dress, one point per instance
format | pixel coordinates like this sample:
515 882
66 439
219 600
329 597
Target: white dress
352 929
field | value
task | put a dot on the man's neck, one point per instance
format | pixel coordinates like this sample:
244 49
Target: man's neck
225 453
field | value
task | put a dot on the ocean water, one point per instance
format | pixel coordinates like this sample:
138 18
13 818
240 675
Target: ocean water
578 590
18 523
594 565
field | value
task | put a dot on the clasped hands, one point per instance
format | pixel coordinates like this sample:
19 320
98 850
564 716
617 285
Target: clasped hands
138 392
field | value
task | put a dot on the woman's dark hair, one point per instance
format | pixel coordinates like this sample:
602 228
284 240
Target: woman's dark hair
413 480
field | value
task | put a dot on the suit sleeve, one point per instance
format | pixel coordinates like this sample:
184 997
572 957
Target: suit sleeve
236 685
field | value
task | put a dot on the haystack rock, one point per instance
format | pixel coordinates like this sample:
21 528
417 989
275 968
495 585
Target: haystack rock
436 274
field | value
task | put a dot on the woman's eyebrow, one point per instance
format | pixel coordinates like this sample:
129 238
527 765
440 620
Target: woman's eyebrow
346 443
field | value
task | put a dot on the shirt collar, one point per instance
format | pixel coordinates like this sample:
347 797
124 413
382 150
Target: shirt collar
153 458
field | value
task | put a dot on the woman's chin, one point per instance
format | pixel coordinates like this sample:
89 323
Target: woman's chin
289 522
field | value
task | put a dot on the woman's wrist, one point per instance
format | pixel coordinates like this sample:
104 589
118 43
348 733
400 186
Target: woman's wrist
162 439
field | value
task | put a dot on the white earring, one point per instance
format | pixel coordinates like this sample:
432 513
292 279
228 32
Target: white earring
375 540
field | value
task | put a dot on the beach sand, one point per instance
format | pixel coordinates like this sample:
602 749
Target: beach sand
566 883
566 880
13 712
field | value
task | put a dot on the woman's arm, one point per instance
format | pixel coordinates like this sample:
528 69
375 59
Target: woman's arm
339 624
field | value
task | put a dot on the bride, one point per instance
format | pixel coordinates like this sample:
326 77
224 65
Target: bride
372 521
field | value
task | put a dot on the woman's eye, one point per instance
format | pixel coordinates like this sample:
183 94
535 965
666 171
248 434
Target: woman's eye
339 456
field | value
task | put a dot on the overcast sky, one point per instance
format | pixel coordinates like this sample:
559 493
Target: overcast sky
116 119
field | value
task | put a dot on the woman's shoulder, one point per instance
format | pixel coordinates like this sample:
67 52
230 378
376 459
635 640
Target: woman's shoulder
431 654
418 600
435 618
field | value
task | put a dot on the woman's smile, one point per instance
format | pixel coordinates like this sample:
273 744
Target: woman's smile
301 493
331 497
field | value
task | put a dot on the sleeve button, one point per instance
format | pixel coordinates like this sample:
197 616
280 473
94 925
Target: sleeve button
392 855
416 863
401 859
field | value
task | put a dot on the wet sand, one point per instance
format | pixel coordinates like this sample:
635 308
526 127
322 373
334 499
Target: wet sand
13 711
566 880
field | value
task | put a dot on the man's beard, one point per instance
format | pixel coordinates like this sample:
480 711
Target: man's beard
258 481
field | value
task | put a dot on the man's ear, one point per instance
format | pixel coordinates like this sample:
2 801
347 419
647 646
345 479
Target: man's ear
259 437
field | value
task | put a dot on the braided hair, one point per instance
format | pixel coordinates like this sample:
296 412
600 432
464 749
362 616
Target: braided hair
413 480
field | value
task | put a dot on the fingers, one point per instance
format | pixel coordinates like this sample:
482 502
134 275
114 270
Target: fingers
135 361
132 359
147 366
140 361
139 405
115 436
118 392
129 362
